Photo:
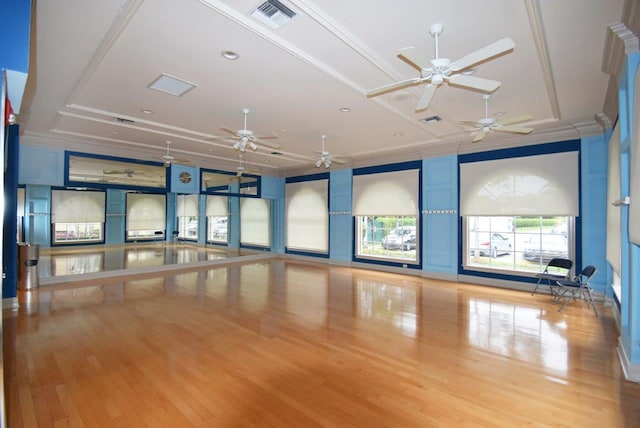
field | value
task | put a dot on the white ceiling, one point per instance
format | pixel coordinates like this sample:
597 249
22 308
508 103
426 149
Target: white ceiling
92 62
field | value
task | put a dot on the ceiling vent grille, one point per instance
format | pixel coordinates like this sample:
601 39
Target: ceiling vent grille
431 119
273 13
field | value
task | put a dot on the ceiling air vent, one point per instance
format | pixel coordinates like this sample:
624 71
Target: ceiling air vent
431 119
273 13
123 120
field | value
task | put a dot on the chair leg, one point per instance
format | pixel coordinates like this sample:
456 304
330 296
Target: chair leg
536 287
593 306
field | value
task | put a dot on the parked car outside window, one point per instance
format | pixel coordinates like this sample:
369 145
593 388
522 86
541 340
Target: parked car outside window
545 247
399 237
497 246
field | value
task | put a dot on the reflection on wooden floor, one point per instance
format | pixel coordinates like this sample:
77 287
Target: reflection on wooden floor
293 344
86 260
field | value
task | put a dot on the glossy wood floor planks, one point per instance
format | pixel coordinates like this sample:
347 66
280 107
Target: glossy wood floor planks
290 344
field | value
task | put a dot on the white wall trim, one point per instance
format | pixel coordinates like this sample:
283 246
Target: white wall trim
631 371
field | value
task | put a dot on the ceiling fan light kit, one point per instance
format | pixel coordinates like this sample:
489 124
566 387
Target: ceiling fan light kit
438 70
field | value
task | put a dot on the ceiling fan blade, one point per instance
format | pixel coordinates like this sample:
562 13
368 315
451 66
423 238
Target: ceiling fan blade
516 129
489 51
265 137
517 119
230 131
479 83
393 86
338 161
471 123
426 97
267 143
416 58
479 136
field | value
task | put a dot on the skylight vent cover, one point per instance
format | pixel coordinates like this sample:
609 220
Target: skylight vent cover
431 119
273 13
171 85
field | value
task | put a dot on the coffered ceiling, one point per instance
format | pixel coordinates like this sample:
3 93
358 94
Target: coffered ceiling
93 64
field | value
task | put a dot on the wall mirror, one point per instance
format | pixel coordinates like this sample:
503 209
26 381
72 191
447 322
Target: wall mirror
83 169
229 183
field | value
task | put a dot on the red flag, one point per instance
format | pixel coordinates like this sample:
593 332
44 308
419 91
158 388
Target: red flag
8 112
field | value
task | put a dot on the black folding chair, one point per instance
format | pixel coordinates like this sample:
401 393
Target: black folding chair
578 287
557 269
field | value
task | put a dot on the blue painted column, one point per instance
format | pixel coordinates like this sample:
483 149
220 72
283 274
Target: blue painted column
9 236
440 239
340 215
114 228
272 188
630 252
594 153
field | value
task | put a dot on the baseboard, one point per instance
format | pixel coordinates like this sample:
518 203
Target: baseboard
10 303
631 371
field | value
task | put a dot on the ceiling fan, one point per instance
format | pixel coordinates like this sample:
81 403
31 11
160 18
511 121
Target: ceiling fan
487 124
438 70
126 172
168 158
325 158
241 169
244 137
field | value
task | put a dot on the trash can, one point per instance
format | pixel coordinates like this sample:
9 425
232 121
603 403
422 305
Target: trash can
28 256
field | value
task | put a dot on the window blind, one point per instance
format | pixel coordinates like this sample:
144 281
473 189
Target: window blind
613 194
146 212
72 206
541 185
255 221
217 206
386 193
187 206
307 215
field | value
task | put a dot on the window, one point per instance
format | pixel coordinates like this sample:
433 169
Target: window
385 206
217 219
77 216
307 215
255 222
521 244
518 212
146 215
187 212
392 237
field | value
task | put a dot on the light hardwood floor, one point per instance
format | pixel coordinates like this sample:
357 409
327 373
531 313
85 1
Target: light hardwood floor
291 344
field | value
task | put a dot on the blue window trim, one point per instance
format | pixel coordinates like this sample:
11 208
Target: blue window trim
393 167
517 152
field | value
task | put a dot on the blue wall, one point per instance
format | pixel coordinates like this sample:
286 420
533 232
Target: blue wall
630 253
440 215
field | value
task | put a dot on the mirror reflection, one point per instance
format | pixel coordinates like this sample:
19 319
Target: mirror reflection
84 169
229 183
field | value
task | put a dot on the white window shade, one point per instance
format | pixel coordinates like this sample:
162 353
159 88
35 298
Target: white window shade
634 189
613 194
68 206
531 185
187 206
386 193
217 206
21 200
146 212
255 221
307 215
